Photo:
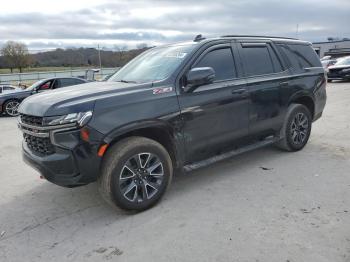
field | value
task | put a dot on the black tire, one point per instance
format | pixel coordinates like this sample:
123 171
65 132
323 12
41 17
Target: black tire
10 107
120 170
329 80
295 135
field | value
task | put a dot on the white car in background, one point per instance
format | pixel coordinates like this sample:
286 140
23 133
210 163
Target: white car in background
9 89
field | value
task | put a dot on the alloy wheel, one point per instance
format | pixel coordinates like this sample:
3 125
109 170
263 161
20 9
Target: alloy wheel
299 128
12 108
141 177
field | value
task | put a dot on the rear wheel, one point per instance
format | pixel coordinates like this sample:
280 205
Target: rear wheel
11 108
296 129
136 173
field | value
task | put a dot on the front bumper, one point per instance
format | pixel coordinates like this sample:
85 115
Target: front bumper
59 168
70 161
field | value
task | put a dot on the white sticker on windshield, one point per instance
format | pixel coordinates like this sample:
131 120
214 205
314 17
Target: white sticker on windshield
176 55
162 90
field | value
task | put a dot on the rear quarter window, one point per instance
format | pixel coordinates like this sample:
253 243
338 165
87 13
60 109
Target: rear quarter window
300 56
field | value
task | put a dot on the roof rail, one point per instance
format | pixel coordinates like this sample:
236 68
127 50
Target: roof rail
262 36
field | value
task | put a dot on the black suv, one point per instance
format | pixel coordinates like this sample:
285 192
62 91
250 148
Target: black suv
179 106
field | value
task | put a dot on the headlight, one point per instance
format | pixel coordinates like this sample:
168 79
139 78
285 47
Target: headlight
346 70
80 119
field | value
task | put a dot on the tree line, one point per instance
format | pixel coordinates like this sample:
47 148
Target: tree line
16 55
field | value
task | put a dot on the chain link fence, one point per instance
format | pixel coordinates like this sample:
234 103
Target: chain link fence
19 78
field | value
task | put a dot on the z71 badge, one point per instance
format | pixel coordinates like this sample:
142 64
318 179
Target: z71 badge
162 90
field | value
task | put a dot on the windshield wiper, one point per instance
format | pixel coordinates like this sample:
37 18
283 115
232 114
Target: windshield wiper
127 81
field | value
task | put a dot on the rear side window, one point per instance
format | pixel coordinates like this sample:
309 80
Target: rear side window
67 82
260 60
78 81
221 60
300 56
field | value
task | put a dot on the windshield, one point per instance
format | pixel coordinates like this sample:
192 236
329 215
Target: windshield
344 61
155 64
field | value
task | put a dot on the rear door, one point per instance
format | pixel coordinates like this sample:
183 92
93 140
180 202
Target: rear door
215 115
266 78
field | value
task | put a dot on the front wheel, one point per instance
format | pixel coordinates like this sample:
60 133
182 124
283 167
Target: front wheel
296 129
136 172
11 108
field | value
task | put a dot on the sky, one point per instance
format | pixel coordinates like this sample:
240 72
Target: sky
113 24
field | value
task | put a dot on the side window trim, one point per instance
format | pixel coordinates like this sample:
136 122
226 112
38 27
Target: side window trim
213 48
273 52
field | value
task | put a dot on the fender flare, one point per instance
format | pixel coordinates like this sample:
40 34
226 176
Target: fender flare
176 145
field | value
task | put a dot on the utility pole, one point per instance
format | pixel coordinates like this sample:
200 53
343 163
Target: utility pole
297 31
99 56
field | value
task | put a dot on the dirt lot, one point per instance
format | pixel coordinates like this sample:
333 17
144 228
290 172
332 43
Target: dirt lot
265 205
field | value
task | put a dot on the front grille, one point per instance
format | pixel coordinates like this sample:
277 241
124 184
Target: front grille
32 120
35 135
39 144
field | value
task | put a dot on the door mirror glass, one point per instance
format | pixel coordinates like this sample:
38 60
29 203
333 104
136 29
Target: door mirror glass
199 76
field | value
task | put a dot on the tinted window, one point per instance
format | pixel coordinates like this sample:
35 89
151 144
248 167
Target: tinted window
275 60
257 60
221 60
8 88
78 81
301 56
67 82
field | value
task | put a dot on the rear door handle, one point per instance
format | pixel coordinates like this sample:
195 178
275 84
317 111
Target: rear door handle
239 91
284 84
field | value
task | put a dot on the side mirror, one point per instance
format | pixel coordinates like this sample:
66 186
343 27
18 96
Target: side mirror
199 76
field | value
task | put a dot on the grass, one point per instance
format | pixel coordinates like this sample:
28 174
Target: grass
39 69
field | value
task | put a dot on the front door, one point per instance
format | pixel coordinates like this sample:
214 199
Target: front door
215 115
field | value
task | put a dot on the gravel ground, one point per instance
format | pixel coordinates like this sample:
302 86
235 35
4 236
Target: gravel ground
265 205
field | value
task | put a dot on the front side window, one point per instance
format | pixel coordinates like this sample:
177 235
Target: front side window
221 60
155 64
45 86
257 60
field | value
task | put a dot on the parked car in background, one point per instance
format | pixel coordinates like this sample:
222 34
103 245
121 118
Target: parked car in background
179 106
328 63
106 77
327 57
340 70
8 89
9 101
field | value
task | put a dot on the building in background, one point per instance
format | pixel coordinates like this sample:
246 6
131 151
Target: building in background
335 49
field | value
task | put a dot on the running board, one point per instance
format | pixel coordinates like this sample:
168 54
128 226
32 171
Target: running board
268 141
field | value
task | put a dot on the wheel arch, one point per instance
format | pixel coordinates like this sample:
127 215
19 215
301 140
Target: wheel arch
158 131
306 100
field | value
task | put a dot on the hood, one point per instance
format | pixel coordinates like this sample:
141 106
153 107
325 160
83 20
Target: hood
77 98
16 93
338 66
